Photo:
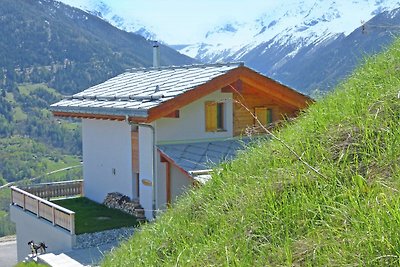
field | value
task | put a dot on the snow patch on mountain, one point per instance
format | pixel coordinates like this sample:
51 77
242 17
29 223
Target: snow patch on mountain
107 12
290 22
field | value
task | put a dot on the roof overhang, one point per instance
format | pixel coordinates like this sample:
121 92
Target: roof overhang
242 73
100 113
200 176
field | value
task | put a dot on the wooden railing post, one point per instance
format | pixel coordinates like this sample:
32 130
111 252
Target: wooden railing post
72 223
37 208
24 202
53 215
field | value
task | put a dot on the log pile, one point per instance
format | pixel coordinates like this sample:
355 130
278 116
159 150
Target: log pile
121 202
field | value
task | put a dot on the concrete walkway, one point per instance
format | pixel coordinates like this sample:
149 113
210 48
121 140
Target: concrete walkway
77 257
8 251
61 260
90 256
84 257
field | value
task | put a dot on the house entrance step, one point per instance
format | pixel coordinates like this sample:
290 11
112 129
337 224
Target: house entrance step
59 260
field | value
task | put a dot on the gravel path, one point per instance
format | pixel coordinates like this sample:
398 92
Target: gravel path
105 237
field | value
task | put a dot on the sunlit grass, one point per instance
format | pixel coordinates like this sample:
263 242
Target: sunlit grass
266 208
30 264
94 217
27 88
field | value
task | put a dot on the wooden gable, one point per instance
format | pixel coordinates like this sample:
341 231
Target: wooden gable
253 100
244 83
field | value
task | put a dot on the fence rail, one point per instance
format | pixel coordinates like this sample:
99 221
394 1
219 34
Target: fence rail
55 189
42 208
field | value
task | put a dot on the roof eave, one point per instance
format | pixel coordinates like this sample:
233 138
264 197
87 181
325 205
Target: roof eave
100 112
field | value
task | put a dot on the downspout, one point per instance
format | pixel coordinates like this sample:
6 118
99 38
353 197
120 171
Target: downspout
154 158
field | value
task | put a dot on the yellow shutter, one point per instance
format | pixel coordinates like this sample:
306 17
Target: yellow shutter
261 114
211 116
264 115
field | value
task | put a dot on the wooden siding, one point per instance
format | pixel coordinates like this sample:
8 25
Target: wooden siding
250 98
135 151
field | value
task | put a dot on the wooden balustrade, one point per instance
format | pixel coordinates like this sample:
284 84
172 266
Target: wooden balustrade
42 208
56 189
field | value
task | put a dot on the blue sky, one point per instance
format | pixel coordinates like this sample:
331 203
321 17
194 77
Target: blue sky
186 21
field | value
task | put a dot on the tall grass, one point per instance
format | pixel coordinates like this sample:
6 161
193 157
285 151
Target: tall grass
266 208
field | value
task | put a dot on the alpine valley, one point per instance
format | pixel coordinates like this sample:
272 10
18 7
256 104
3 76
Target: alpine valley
47 50
309 45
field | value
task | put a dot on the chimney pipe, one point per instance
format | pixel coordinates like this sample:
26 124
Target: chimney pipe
156 55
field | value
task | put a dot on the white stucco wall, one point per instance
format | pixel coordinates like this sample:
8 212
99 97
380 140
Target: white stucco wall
191 122
29 227
107 153
180 183
146 148
107 158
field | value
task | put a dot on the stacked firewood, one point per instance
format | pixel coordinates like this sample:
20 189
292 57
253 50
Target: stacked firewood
122 202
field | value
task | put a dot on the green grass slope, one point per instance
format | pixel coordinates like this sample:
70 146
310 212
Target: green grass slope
268 209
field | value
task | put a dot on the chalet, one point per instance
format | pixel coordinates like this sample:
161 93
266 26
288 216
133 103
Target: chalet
151 133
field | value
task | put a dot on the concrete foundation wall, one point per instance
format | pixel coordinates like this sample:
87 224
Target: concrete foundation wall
29 227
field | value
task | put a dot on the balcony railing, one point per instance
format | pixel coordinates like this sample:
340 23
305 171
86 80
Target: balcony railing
45 209
55 189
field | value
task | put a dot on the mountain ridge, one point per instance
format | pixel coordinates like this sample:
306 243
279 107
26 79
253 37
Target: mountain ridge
289 35
72 48
51 50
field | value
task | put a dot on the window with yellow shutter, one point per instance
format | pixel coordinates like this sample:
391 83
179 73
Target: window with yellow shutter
264 115
214 115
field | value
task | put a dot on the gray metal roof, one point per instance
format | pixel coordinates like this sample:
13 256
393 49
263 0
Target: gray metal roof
199 156
134 92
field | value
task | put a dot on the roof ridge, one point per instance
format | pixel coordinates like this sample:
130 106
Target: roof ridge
227 64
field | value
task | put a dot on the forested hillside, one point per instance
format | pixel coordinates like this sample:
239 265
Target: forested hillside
47 50
47 41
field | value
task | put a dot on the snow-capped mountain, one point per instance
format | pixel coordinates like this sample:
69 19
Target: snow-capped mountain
288 23
289 41
107 13
286 41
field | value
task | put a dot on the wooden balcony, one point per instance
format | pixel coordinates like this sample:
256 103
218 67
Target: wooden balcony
27 199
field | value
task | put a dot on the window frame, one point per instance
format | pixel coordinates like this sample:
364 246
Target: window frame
266 118
214 116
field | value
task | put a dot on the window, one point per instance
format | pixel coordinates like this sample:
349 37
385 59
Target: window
264 115
214 113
